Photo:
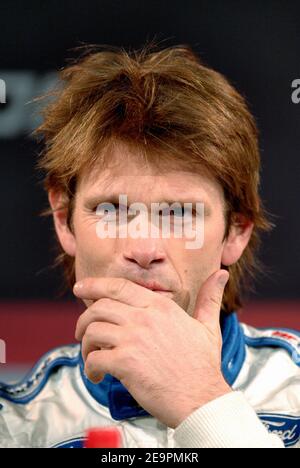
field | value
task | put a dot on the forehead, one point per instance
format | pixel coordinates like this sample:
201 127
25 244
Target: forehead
127 173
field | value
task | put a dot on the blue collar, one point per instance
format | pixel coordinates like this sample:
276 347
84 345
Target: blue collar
112 393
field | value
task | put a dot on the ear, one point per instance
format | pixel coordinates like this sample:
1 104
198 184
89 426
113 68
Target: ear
60 217
237 240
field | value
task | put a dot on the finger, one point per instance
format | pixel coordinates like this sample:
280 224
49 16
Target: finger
119 289
99 363
105 310
100 335
209 299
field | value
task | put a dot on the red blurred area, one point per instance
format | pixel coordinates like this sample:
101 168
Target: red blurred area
108 437
32 328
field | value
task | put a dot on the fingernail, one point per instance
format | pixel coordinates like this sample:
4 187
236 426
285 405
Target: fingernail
223 279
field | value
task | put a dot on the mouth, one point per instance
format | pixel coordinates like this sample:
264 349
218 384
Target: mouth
154 286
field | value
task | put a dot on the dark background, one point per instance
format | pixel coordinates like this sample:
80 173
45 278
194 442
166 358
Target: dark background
255 44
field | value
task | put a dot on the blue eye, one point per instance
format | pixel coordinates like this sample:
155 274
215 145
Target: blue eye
178 213
110 207
111 212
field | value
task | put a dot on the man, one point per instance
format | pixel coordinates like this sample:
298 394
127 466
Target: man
162 354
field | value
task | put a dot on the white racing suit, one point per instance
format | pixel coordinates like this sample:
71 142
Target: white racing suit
56 403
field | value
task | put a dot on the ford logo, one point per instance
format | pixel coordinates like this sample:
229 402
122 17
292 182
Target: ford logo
285 426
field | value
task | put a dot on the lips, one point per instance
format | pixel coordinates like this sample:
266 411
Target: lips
153 285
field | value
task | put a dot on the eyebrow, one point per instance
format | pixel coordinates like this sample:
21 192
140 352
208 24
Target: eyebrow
94 200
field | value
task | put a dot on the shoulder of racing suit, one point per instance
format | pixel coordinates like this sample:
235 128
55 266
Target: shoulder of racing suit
34 382
270 379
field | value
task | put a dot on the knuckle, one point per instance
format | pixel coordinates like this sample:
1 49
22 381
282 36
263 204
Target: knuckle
91 362
79 323
92 312
91 330
104 302
101 304
214 300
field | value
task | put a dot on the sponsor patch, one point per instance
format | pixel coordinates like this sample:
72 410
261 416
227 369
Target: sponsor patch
285 426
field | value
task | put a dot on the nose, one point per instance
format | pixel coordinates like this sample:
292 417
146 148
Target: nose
143 253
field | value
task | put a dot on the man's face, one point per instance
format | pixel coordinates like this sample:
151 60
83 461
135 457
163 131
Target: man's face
165 261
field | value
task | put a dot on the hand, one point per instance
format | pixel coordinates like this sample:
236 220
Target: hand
169 361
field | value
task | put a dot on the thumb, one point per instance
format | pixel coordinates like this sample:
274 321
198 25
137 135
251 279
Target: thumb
209 299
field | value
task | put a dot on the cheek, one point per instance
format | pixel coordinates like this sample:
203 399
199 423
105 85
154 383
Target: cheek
201 262
196 265
213 235
93 255
205 259
213 232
